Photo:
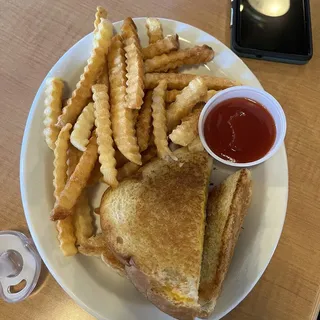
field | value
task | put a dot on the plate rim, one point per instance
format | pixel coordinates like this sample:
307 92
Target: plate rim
23 189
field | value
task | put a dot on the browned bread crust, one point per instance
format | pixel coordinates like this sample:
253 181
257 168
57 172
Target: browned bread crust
148 287
227 207
157 220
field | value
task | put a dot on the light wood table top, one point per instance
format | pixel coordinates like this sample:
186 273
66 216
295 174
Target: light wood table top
33 36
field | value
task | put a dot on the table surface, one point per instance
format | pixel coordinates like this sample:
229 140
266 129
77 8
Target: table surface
35 33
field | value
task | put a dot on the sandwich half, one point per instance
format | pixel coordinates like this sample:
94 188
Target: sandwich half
227 207
154 224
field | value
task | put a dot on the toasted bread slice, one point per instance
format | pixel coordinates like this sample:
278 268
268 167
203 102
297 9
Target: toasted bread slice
155 222
227 207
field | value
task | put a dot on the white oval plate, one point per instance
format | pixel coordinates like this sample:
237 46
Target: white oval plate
87 280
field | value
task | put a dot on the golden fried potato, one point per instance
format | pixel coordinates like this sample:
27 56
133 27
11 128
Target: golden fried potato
160 121
172 94
66 237
53 106
127 170
187 131
101 13
196 145
130 168
134 63
65 228
129 32
210 94
144 122
60 160
104 134
96 175
77 182
185 101
82 219
176 59
154 30
74 156
82 93
102 77
181 80
169 43
82 128
121 117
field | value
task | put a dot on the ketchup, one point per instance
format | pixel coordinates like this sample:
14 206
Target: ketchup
240 130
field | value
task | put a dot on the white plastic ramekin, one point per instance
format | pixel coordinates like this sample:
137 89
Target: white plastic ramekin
262 97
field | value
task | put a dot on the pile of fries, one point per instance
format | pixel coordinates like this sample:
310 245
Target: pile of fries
129 103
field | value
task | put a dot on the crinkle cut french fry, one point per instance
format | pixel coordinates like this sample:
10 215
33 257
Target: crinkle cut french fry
129 33
53 106
196 145
121 117
165 45
187 131
101 13
82 93
104 134
66 236
160 122
82 128
117 71
77 182
124 134
96 175
74 156
102 77
131 168
60 160
172 94
82 219
185 101
181 80
127 170
176 59
65 228
154 30
144 122
135 68
129 29
210 94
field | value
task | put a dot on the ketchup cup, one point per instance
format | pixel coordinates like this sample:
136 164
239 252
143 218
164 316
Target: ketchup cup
261 97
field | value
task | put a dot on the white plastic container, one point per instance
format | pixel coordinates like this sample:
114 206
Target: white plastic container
262 97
